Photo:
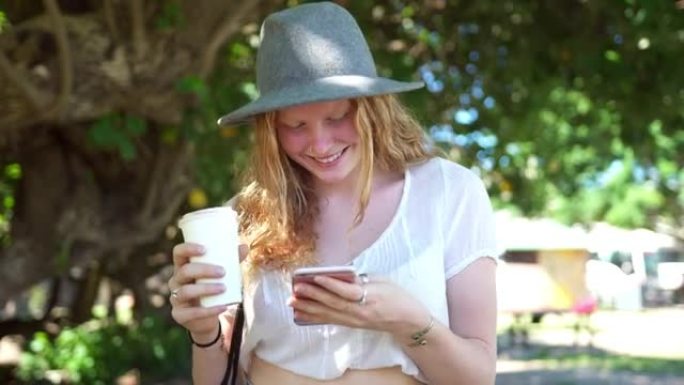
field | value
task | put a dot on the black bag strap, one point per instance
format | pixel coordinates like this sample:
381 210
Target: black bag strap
233 367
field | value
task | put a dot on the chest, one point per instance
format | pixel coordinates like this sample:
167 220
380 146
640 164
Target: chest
339 241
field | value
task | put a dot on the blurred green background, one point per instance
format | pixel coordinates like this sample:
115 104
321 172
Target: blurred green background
571 111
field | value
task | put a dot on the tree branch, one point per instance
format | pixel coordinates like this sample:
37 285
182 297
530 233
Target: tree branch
145 232
138 21
65 60
108 14
153 188
228 27
25 87
182 160
174 192
27 260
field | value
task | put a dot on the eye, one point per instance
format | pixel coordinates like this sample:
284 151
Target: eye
338 117
295 127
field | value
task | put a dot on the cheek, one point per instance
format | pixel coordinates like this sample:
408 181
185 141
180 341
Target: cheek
348 134
292 143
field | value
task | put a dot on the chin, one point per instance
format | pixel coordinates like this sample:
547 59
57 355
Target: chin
329 178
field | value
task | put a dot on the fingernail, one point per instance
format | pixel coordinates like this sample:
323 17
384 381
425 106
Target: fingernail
201 249
220 270
319 279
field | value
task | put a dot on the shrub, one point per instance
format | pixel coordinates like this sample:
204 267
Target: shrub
99 351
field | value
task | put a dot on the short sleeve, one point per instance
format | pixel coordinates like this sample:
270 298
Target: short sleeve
468 221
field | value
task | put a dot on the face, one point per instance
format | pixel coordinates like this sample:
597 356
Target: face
321 137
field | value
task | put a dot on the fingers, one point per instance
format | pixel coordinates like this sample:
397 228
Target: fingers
186 291
190 272
186 271
182 284
329 300
192 292
314 299
182 253
311 311
310 293
185 315
349 291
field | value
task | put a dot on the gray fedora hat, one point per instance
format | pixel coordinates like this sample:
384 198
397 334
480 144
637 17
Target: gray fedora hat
311 53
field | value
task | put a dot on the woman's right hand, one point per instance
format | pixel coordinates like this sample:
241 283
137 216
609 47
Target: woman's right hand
186 292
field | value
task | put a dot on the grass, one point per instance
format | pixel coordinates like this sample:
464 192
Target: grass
645 342
612 362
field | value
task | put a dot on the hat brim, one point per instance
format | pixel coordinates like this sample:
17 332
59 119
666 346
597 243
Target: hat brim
330 88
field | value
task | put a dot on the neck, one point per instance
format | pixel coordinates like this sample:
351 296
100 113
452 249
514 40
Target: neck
349 189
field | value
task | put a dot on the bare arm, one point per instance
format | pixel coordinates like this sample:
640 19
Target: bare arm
461 353
465 351
208 364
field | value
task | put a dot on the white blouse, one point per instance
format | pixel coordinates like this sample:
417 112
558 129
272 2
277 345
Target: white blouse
443 223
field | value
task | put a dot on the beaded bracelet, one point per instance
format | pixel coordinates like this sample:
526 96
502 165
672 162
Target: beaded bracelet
419 336
218 336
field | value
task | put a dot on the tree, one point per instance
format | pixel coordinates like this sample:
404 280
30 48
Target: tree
573 109
103 110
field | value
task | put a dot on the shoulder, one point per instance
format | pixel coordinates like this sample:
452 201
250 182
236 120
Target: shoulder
451 175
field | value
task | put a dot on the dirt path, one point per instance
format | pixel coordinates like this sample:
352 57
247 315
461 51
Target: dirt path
648 333
511 372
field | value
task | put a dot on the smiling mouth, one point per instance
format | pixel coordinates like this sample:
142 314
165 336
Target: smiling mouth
330 158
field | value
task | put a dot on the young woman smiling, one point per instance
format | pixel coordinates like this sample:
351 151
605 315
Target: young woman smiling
342 175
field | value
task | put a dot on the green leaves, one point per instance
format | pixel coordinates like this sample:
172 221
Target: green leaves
116 132
99 352
4 22
170 17
576 87
193 85
13 171
8 181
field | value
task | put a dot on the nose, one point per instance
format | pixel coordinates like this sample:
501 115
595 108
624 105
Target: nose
320 140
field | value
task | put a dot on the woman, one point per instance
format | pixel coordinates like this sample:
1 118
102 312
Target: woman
343 175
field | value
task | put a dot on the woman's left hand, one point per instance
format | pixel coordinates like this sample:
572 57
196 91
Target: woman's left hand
386 306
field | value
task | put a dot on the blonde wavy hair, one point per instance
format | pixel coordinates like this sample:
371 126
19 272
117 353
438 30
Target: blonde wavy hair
278 206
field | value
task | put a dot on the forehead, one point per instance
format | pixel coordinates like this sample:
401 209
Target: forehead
312 109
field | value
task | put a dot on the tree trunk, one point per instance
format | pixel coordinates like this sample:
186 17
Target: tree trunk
66 64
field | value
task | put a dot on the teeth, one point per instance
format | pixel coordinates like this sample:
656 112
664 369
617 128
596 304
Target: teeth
329 159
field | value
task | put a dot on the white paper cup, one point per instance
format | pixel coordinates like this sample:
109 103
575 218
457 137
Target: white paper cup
216 229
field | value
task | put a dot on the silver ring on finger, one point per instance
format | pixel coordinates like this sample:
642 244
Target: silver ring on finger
174 293
362 301
364 279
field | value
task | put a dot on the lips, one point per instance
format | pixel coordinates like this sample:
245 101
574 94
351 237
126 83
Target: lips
329 159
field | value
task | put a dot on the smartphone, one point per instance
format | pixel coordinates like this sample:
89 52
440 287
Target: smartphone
307 274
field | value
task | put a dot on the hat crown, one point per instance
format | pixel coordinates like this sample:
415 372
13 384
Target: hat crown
310 42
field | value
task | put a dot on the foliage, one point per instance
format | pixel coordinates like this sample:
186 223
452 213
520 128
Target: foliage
547 101
98 352
117 132
11 173
573 109
171 16
544 101
222 152
3 21
600 360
